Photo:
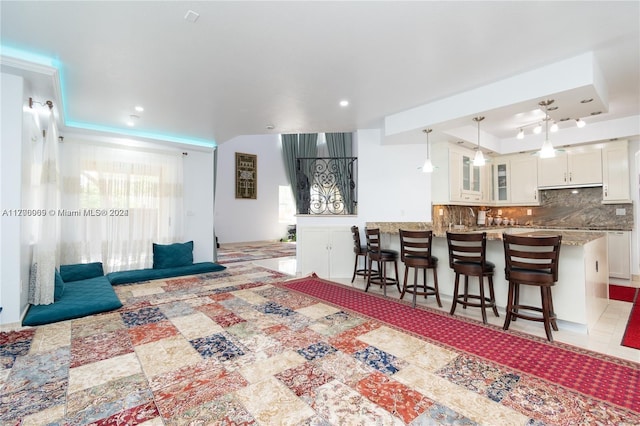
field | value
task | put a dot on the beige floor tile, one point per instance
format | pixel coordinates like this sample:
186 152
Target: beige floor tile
166 355
261 370
51 336
476 407
250 296
317 311
196 325
97 373
47 416
272 403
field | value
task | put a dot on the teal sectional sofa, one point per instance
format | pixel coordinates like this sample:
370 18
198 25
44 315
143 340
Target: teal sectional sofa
83 289
80 290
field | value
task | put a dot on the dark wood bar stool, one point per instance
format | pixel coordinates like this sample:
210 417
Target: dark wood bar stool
531 261
467 256
361 252
382 257
415 252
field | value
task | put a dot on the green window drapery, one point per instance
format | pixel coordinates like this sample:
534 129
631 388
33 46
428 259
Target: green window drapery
295 146
340 145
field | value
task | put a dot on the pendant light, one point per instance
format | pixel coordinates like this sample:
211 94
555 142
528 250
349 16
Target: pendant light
428 166
478 160
547 150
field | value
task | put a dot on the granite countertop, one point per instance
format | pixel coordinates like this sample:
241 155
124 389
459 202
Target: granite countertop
570 237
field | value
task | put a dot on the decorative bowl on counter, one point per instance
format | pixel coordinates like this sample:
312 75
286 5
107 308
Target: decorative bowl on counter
498 220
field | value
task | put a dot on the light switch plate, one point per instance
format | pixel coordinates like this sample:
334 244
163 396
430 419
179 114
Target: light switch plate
621 212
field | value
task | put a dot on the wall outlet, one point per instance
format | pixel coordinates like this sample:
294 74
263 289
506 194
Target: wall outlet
529 212
621 212
441 212
499 212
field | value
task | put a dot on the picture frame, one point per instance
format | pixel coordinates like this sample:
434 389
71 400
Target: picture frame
246 176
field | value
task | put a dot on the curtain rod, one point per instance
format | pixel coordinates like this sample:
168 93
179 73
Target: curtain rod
47 103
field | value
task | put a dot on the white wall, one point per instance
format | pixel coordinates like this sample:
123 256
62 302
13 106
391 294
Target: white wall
198 203
239 220
391 184
14 251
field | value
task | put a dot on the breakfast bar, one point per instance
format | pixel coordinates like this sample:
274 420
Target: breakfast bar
581 294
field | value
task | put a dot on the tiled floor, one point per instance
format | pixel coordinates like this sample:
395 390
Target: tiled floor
605 337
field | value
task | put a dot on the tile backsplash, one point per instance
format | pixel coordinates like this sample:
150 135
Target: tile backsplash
579 208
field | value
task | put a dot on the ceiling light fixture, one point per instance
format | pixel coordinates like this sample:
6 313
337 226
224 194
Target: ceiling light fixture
344 103
520 134
139 108
428 166
478 160
580 123
547 150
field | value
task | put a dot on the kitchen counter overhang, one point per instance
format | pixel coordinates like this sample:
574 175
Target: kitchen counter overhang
581 294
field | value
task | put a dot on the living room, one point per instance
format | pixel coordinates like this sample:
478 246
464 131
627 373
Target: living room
391 184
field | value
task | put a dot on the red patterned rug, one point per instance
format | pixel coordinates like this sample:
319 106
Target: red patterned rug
632 333
622 293
603 377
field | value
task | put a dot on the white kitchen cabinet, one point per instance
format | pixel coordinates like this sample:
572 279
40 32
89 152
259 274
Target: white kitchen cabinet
619 243
501 181
325 250
515 180
523 178
581 166
466 181
615 173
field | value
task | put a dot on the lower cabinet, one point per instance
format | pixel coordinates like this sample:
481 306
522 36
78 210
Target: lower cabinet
619 254
327 251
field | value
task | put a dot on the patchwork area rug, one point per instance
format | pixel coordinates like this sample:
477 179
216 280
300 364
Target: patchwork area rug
245 346
255 251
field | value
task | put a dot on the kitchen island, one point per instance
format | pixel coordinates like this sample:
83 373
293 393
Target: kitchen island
581 294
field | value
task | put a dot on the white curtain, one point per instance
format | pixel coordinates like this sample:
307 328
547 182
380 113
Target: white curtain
118 202
45 223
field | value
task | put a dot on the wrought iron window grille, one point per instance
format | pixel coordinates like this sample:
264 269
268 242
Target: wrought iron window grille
326 185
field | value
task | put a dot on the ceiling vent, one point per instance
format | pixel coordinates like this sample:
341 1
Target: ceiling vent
191 16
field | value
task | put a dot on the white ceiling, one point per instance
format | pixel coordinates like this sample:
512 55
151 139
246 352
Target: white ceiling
245 65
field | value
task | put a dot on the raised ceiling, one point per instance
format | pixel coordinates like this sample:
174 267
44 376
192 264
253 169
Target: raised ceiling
243 66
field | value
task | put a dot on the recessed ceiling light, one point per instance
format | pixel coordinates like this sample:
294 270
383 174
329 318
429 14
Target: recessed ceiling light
596 113
553 108
586 101
344 103
139 108
270 127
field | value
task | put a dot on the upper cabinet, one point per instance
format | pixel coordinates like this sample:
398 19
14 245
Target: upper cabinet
515 180
615 173
466 179
581 166
524 180
456 180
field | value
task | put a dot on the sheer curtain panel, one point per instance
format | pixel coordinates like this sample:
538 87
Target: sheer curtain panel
120 201
45 227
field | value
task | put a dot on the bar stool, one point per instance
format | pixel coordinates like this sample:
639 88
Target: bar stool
531 261
360 251
415 252
381 257
467 256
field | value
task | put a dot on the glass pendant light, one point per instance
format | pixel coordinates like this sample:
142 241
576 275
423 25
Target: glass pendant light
428 166
478 160
547 150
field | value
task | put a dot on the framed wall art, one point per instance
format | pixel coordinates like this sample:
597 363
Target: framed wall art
246 176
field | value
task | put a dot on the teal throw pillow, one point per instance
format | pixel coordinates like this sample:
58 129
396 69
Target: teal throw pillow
81 271
58 287
172 255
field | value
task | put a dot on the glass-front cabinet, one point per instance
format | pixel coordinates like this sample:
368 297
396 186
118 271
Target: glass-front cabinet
466 179
500 179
